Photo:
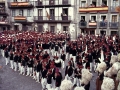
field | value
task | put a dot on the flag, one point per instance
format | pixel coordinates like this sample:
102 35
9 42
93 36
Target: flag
48 16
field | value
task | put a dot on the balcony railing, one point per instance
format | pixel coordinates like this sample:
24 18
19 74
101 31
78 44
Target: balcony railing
3 12
20 4
103 24
82 24
113 24
92 24
93 9
51 3
52 18
4 22
20 19
112 9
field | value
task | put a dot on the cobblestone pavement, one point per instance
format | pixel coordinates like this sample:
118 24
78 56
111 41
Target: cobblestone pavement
11 80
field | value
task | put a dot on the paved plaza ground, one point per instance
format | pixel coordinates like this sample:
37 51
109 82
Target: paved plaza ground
11 80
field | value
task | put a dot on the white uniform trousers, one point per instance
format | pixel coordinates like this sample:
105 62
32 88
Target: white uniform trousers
3 53
76 82
7 60
29 71
19 66
52 52
60 50
63 64
43 83
57 88
63 47
67 56
38 76
11 64
70 56
84 64
56 53
91 66
22 70
68 78
95 66
15 66
34 75
74 60
49 86
53 83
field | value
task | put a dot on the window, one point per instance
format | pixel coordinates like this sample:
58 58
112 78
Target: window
40 12
13 12
103 17
15 0
83 18
40 28
65 28
29 13
21 13
115 3
52 29
93 19
113 33
94 2
104 2
52 13
114 18
92 32
83 3
51 2
65 11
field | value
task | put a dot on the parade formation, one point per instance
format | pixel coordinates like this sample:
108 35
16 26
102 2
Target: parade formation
43 57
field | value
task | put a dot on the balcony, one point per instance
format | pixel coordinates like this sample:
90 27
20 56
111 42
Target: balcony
20 19
2 2
53 3
3 12
52 19
112 9
93 9
4 23
20 5
113 25
103 24
83 24
92 24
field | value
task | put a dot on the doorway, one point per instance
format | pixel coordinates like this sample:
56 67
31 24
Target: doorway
4 28
52 14
94 2
103 32
40 28
114 33
65 11
52 29
16 27
83 31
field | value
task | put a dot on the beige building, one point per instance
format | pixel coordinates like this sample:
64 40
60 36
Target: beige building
4 19
98 16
